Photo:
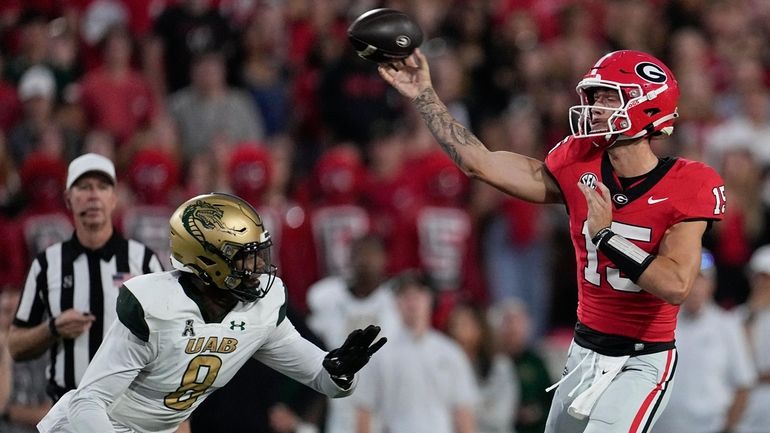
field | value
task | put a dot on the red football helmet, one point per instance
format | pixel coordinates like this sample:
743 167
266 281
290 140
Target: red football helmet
648 94
251 170
339 176
152 174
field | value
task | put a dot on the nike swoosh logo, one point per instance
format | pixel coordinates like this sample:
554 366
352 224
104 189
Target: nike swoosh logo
655 200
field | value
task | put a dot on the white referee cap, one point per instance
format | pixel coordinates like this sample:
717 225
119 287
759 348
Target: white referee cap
760 261
88 163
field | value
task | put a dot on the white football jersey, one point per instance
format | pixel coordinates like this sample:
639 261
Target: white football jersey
334 313
161 359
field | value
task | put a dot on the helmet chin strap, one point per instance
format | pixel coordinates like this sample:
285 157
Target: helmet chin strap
654 124
179 266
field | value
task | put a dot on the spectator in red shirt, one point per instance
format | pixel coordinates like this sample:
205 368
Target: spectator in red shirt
389 193
154 176
115 98
336 215
438 235
41 127
45 220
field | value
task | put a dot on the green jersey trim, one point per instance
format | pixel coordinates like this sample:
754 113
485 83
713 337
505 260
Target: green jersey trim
282 310
131 314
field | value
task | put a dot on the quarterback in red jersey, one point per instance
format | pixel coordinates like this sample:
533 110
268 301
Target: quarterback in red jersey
636 222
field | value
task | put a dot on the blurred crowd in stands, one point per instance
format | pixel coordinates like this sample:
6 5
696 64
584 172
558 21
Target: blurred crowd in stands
267 100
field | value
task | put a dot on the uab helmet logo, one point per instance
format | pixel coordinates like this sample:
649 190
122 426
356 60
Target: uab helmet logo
201 216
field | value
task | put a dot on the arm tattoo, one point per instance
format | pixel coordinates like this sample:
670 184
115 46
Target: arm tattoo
449 133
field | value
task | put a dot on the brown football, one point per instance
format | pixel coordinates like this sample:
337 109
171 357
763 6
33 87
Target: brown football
384 35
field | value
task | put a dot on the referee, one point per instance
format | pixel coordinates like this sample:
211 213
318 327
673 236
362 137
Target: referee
68 300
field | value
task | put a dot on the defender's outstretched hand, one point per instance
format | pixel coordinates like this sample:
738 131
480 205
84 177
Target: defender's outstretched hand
409 77
343 363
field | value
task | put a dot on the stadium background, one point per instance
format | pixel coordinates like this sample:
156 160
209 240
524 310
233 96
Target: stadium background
313 137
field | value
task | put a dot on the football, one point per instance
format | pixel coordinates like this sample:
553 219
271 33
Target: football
384 35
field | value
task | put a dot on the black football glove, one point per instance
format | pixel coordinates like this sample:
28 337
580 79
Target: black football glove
343 363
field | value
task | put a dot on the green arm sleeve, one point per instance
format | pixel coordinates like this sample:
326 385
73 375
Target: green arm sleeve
282 310
131 314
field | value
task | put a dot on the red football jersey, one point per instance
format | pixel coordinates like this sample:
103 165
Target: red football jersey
334 230
676 190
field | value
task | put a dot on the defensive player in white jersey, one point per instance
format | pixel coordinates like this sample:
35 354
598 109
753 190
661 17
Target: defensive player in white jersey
183 334
636 223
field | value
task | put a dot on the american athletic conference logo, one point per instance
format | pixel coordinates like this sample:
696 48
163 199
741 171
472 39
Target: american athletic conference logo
188 329
589 179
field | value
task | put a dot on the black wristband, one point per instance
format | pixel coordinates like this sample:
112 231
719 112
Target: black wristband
601 234
52 327
629 258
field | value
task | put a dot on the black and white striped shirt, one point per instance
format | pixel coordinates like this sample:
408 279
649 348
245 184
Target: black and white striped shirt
68 275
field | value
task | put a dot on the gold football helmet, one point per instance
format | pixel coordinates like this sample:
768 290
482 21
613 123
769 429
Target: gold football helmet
221 239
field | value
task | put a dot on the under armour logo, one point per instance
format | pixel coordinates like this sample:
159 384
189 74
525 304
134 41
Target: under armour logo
241 325
188 329
67 282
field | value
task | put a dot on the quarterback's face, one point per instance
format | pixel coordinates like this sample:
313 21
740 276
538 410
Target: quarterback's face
604 103
92 199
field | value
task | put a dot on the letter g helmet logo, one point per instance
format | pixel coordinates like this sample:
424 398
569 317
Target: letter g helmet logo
651 72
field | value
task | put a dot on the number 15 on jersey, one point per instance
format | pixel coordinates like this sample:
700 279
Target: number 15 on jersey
591 270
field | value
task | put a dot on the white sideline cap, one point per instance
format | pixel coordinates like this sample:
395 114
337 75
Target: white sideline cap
37 81
87 163
760 260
